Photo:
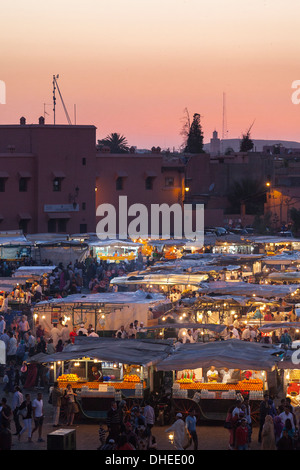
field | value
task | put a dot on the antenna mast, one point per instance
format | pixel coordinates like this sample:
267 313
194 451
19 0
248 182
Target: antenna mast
224 125
55 86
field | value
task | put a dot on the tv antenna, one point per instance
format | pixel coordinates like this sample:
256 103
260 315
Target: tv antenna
55 86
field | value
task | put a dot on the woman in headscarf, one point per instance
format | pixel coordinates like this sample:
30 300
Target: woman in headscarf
268 434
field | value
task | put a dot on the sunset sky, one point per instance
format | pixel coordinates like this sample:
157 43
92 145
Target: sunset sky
134 66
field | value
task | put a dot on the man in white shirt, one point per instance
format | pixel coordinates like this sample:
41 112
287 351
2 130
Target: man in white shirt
188 337
286 414
233 332
246 334
38 415
93 334
121 333
82 330
55 334
65 334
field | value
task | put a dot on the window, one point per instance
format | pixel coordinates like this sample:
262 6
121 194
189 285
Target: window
83 206
84 161
57 225
149 182
52 225
169 181
83 228
2 185
57 184
119 183
23 185
62 225
23 225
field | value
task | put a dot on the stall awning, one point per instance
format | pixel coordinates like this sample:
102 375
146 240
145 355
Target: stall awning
234 354
150 174
4 174
139 352
24 216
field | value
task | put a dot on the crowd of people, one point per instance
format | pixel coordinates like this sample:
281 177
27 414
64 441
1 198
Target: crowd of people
278 425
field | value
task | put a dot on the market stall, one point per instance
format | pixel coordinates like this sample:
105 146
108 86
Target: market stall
105 369
106 312
114 251
213 375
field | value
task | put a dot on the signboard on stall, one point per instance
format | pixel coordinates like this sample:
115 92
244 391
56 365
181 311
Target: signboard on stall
55 315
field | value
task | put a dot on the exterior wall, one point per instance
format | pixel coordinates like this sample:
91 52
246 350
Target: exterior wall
41 152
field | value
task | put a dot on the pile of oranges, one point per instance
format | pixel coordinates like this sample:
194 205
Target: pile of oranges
131 378
68 378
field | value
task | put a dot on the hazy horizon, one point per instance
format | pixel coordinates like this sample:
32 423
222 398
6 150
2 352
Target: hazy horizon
134 66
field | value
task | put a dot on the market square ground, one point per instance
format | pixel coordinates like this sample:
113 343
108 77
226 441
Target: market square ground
210 436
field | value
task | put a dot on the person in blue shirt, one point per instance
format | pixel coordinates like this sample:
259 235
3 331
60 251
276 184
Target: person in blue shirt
191 421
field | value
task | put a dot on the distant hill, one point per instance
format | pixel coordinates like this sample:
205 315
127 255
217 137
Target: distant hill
258 144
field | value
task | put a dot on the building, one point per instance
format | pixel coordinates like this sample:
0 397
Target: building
53 179
47 177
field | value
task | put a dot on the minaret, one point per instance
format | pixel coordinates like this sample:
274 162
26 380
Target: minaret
215 145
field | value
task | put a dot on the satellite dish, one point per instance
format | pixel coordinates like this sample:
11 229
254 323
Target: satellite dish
211 187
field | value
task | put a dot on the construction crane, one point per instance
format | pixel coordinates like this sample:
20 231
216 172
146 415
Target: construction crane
55 86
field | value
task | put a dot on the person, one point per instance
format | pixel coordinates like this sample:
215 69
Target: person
102 436
97 375
38 415
226 375
121 333
149 415
188 337
65 334
287 414
17 400
73 334
247 411
93 334
27 417
123 444
139 419
72 407
55 334
179 429
82 330
5 438
212 374
278 427
285 442
12 348
23 326
289 428
56 395
285 338
266 407
113 421
268 434
241 436
191 422
50 349
238 411
110 445
131 435
2 324
6 414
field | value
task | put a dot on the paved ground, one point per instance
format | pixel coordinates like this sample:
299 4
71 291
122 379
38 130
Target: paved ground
211 437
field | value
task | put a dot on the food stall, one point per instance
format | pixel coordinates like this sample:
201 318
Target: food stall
114 251
125 369
209 377
106 311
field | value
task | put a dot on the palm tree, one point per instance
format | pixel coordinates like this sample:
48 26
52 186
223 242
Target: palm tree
250 192
116 142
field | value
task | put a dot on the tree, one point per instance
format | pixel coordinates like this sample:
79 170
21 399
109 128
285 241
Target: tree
194 143
295 218
247 144
116 142
250 192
